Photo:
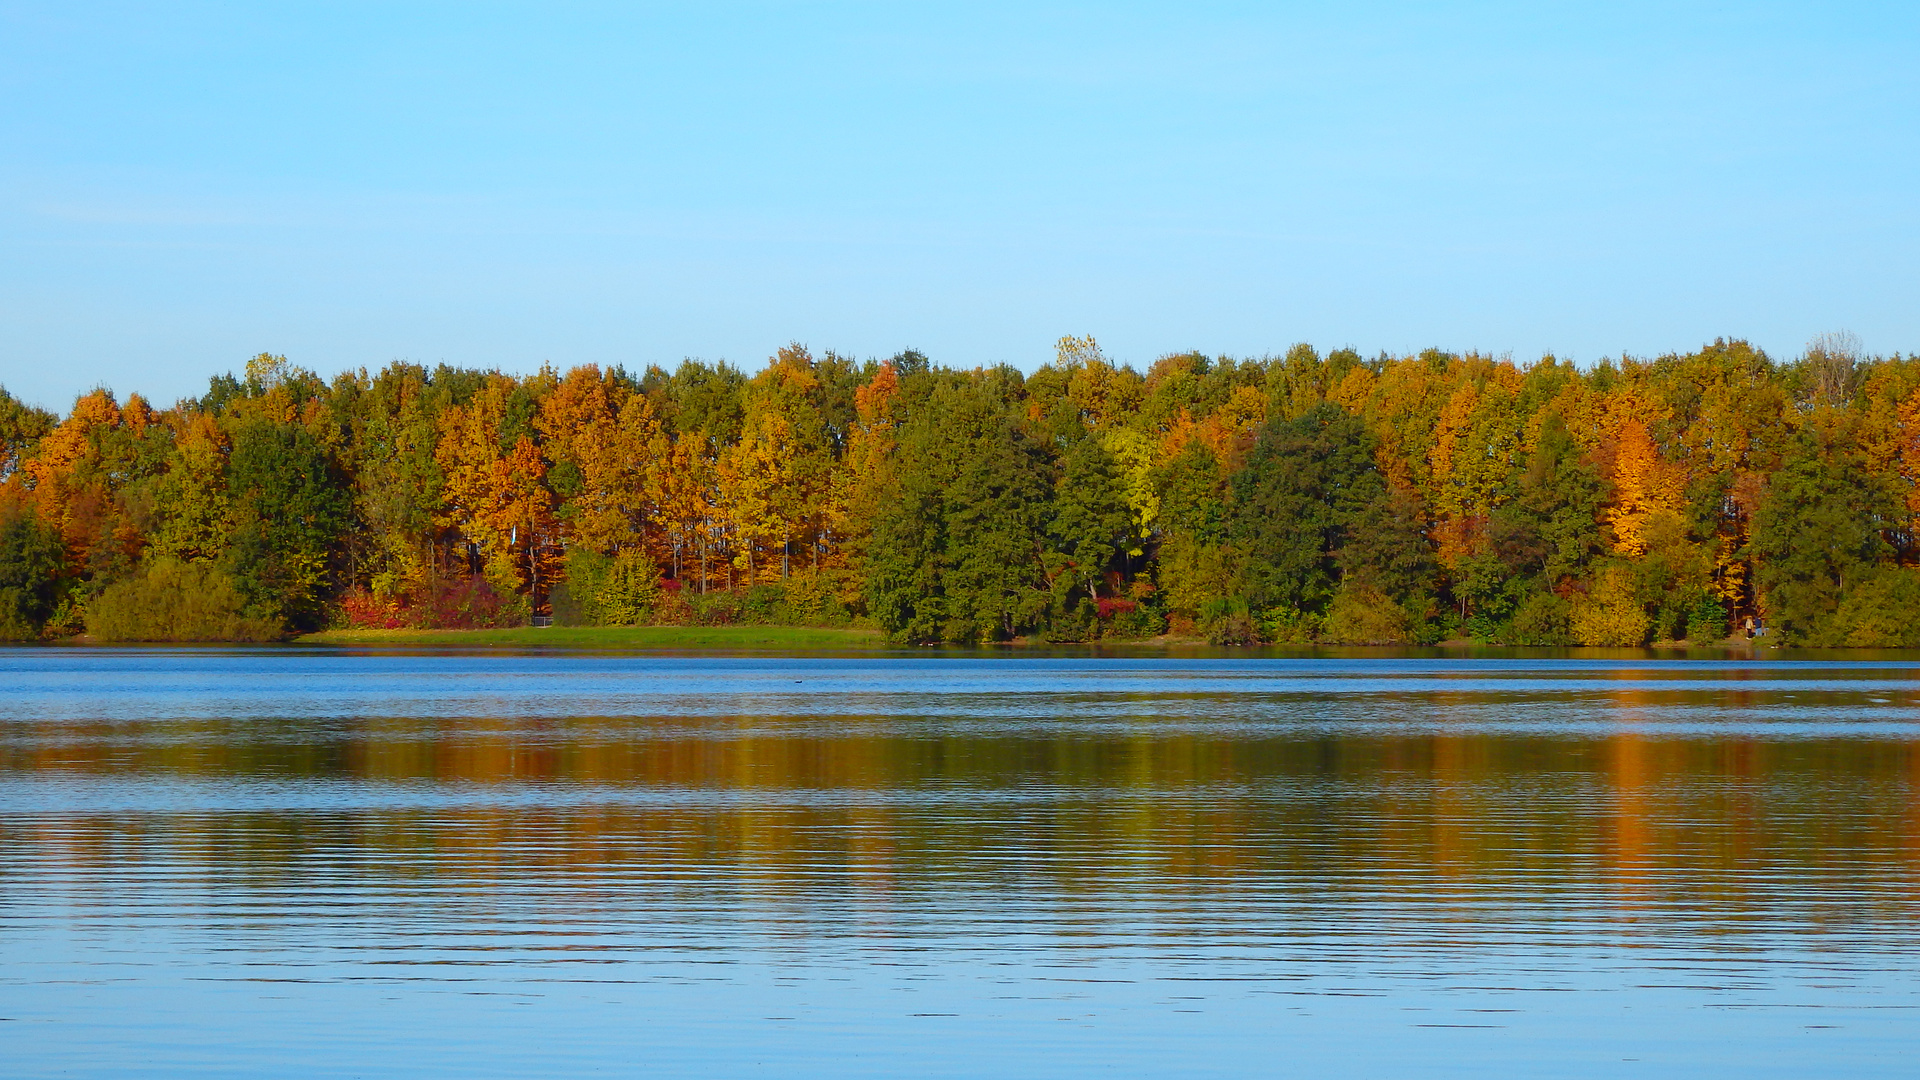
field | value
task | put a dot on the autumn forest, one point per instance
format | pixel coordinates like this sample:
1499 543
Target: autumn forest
1299 498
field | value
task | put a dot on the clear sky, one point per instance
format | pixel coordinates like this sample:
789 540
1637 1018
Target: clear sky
492 184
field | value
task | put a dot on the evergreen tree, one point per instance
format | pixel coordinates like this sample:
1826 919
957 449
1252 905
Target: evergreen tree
1092 524
290 509
1303 488
1817 536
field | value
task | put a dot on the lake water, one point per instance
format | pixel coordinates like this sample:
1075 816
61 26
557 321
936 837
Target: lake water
281 862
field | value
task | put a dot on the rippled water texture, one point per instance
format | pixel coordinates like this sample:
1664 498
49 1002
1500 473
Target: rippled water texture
311 863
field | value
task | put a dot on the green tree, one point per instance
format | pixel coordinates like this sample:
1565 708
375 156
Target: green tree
290 509
957 550
1816 535
30 565
1305 484
1550 529
1386 548
21 426
1092 523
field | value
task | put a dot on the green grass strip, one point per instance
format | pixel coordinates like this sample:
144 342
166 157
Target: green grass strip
617 637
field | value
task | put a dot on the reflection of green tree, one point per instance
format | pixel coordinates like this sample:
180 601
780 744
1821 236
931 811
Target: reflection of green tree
901 805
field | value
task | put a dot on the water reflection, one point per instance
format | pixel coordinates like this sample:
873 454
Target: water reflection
1342 860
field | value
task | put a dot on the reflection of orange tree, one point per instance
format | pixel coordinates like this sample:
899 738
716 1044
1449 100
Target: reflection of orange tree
1669 819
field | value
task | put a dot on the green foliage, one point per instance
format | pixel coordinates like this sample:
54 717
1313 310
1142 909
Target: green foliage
1542 619
1361 614
1092 524
1610 613
1282 499
170 600
21 427
1879 612
607 590
30 565
290 510
1816 535
1385 549
1706 617
817 599
1550 530
959 554
1305 485
1228 620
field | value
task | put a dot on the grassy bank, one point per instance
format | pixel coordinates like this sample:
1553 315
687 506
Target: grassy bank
617 637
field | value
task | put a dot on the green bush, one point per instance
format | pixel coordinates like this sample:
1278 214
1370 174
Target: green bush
1881 612
170 600
1610 614
603 590
1228 620
1542 619
1142 620
763 604
715 608
1706 618
818 598
1363 615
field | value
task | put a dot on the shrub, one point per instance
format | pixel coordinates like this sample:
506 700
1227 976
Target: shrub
672 608
1363 615
761 604
361 610
715 608
1228 621
1881 612
1541 619
818 598
170 600
628 591
1286 626
1706 618
603 590
1610 614
469 603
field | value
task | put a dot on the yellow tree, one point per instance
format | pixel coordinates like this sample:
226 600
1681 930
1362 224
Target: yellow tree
756 483
193 493
496 497
1908 452
1476 440
776 480
602 435
1648 492
686 478
398 485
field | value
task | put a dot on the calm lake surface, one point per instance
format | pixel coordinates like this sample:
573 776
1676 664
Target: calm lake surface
281 862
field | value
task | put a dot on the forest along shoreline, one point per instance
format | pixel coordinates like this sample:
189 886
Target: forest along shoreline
1709 497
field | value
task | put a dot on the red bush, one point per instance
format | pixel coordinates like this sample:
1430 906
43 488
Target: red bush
1113 605
364 612
467 603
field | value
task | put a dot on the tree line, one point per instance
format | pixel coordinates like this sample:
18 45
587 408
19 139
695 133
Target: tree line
1296 498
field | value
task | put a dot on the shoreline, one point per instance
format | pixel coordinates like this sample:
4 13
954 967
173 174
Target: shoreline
616 637
765 638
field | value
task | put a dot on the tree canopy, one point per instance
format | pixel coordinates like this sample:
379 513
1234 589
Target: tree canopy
1300 497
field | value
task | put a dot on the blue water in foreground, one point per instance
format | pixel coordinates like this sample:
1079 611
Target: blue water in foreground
313 863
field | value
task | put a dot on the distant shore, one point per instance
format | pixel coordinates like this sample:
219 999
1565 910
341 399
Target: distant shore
617 637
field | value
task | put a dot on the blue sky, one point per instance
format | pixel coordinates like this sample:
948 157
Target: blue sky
184 185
